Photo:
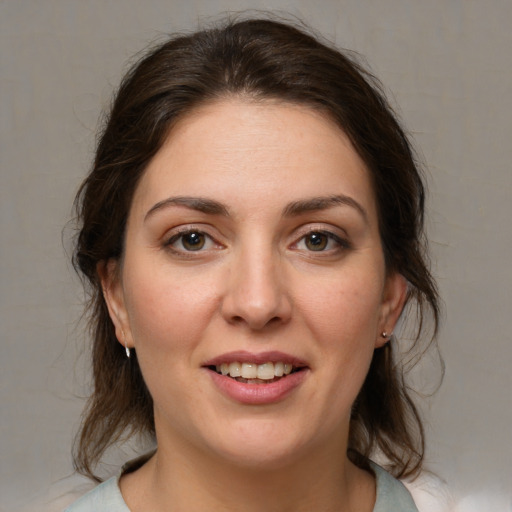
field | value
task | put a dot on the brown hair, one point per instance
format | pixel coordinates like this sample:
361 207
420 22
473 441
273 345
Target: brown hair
259 59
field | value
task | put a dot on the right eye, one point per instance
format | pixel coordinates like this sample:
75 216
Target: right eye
190 241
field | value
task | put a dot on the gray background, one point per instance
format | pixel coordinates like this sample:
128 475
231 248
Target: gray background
448 65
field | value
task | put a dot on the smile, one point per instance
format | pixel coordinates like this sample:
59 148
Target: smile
253 373
257 378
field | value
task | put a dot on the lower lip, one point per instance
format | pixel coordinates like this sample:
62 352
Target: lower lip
258 394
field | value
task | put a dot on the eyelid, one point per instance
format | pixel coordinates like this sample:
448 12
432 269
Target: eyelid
336 234
176 233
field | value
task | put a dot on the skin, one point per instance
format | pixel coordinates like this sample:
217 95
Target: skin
255 285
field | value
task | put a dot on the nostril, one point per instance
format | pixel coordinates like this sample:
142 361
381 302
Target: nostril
255 308
256 323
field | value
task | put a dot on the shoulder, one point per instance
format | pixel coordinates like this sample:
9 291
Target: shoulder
106 497
392 495
431 493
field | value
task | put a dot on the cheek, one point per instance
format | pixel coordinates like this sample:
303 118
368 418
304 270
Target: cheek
343 318
167 312
167 316
345 308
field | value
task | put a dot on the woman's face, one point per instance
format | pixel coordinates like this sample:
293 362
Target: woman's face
252 250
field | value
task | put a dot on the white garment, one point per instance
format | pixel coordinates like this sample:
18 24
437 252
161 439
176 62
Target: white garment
392 496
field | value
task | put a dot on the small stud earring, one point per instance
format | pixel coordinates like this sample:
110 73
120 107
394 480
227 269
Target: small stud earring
386 335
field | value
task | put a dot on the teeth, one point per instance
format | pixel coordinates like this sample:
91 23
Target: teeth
265 371
249 370
235 369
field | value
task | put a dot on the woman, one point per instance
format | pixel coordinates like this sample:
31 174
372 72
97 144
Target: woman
252 231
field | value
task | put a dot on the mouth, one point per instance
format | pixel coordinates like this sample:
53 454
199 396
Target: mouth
261 368
254 373
257 378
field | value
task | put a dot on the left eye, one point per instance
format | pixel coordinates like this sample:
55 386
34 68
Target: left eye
190 241
319 241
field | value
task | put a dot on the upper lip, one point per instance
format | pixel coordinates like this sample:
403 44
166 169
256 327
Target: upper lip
243 356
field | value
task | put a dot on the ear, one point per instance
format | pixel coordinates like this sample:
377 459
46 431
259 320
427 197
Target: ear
393 300
110 278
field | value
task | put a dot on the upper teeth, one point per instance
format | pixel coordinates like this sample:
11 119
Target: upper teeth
265 371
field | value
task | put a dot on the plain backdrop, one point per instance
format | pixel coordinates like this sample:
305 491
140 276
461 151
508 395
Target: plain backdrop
447 67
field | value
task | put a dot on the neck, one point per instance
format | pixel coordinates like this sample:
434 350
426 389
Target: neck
322 481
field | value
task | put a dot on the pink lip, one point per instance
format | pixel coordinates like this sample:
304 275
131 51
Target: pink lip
242 356
257 394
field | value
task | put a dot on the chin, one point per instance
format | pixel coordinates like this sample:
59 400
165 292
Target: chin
261 445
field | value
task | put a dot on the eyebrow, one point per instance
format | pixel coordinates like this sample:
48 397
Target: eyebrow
323 203
200 204
293 209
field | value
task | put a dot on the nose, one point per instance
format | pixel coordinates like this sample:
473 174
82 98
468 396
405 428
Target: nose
256 293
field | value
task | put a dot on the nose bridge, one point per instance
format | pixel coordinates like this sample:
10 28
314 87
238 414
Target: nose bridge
256 294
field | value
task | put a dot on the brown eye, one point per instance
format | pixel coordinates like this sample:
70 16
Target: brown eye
193 241
190 241
316 241
322 242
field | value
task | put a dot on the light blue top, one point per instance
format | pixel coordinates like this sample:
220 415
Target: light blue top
392 496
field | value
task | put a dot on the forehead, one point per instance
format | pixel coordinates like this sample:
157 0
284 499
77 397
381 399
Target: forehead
255 152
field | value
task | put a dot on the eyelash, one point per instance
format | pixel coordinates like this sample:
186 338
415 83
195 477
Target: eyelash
341 243
180 236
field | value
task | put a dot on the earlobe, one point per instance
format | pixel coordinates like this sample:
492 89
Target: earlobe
394 297
114 299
